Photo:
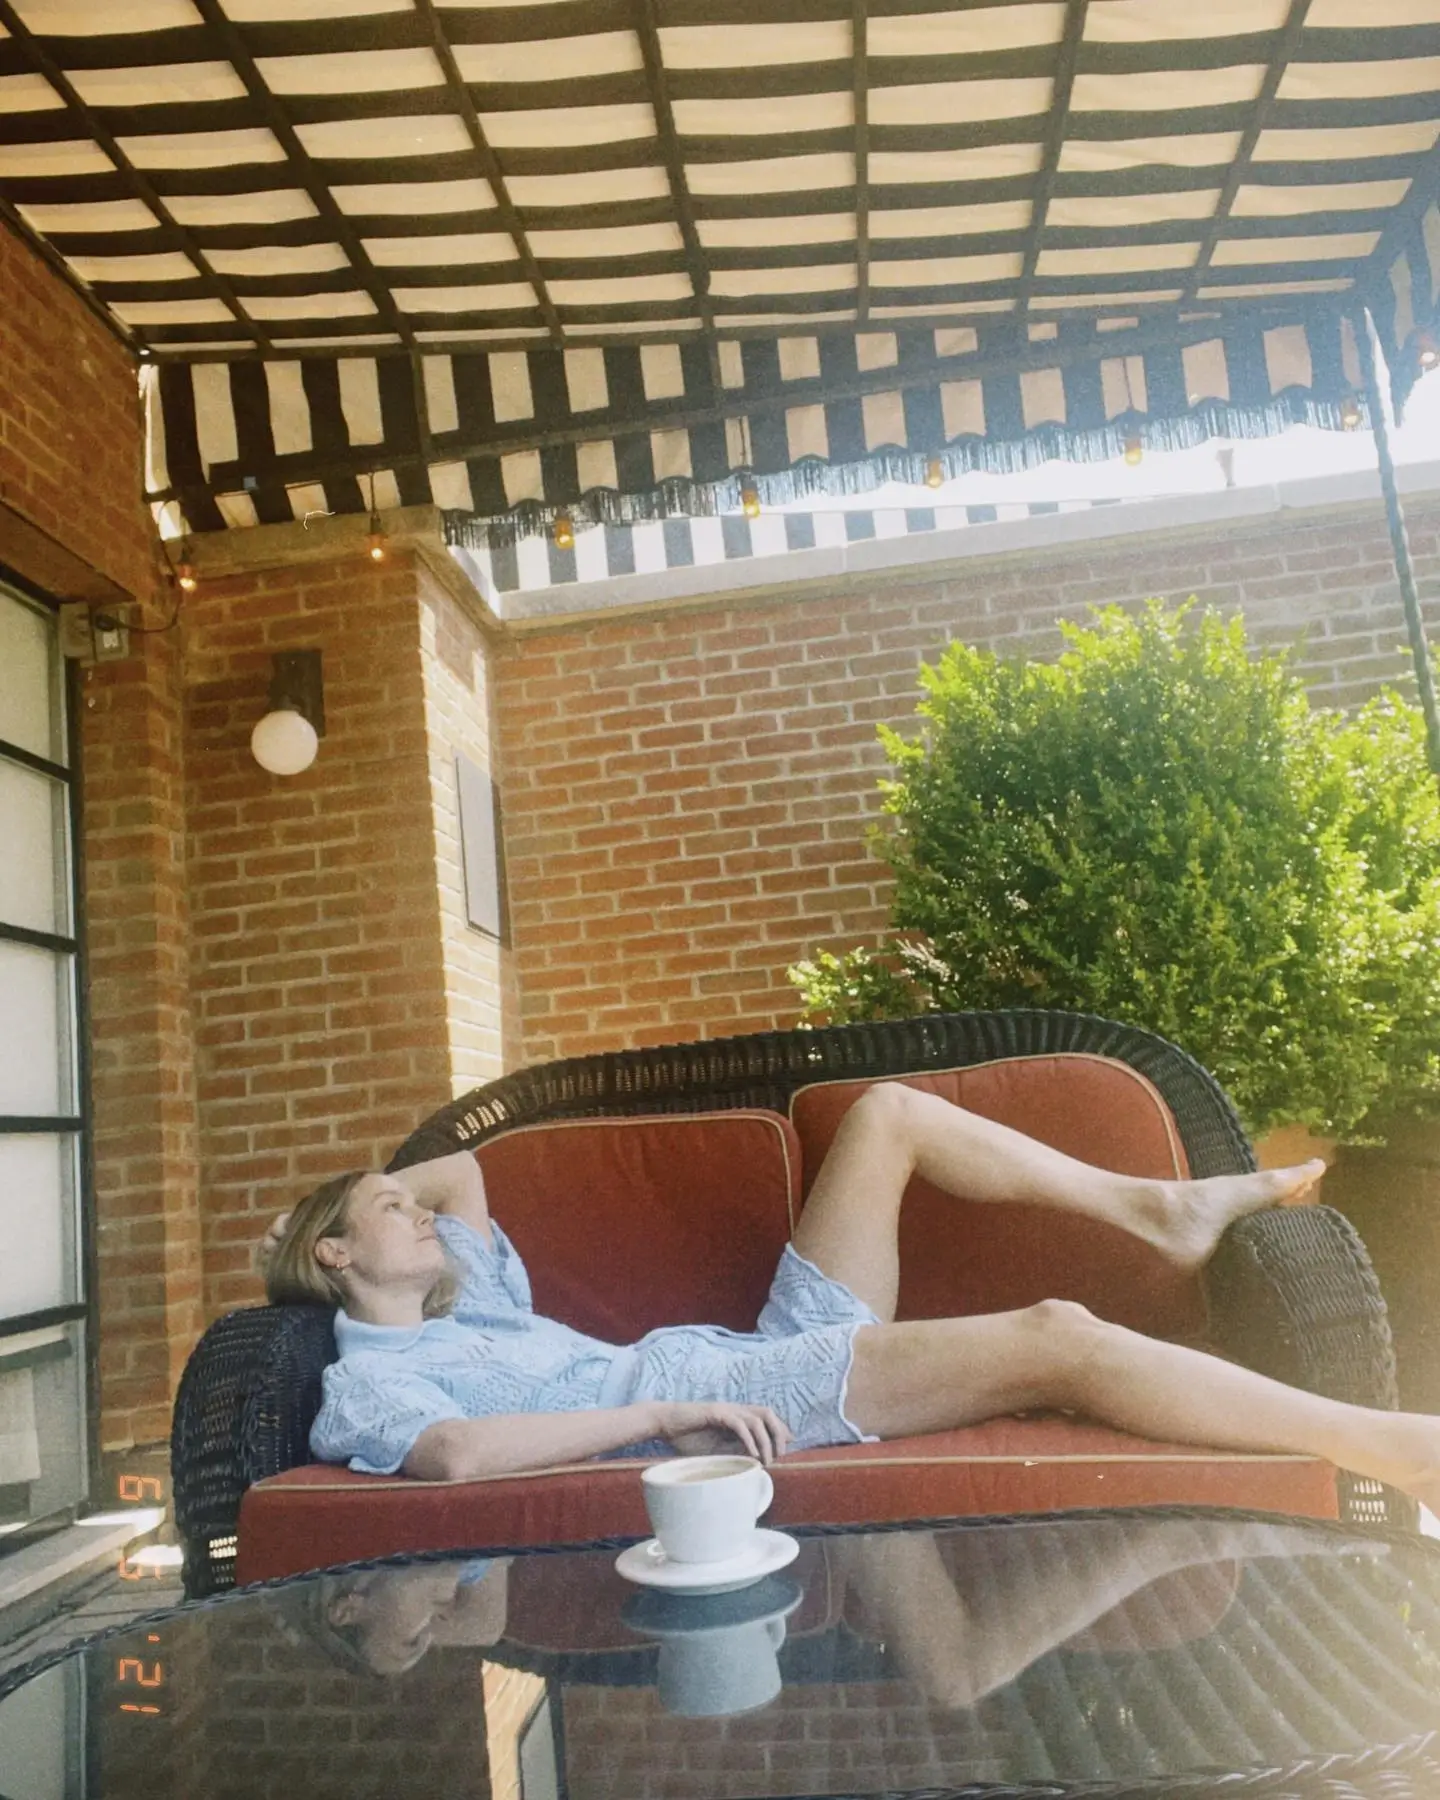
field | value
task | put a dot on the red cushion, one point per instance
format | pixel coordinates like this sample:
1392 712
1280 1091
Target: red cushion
314 1516
628 1224
959 1257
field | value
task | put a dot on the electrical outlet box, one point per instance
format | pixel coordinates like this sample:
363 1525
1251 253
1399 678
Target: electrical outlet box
111 628
92 633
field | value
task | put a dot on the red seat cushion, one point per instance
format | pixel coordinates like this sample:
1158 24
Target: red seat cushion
628 1224
314 1516
959 1257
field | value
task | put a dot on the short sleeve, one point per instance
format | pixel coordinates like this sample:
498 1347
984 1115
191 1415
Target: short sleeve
492 1281
371 1421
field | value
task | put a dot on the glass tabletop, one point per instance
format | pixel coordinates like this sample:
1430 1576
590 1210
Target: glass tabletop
1150 1652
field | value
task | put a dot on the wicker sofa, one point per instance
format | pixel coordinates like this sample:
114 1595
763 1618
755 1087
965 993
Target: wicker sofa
657 1186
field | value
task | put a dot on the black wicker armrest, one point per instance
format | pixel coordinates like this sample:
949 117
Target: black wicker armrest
1293 1295
245 1405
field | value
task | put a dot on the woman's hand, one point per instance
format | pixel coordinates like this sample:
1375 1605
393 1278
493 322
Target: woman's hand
703 1427
270 1243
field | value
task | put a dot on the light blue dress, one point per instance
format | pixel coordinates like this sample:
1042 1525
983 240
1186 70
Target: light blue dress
494 1354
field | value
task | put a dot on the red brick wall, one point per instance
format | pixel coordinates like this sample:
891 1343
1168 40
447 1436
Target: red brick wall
688 793
71 460
71 447
317 976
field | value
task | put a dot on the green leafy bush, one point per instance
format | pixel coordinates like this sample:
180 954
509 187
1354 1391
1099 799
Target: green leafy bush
1157 827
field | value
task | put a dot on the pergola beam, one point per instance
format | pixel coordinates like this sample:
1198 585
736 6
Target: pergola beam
1064 84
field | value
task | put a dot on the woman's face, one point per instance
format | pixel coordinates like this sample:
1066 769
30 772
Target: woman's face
389 1238
397 1614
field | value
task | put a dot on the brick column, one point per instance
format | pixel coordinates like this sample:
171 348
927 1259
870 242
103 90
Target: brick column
142 1084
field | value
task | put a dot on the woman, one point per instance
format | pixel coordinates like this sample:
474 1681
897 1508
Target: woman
490 1388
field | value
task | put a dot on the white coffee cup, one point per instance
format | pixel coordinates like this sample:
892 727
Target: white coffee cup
707 1674
704 1508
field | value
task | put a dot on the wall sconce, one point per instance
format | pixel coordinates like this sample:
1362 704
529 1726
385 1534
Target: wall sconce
285 741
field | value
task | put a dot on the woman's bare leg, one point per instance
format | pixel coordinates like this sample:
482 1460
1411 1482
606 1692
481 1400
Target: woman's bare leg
848 1227
960 1640
935 1374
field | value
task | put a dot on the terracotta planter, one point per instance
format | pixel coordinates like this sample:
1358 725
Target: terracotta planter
1392 1197
1287 1145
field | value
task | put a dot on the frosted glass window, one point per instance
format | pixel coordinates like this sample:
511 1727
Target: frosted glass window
29 709
36 1185
34 878
36 1723
34 1034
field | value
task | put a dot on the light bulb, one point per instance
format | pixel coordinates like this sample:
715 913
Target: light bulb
563 532
1134 451
186 577
284 742
375 543
750 503
1350 412
934 473
1427 351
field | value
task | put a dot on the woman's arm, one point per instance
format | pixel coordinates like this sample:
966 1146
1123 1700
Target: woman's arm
468 1449
450 1184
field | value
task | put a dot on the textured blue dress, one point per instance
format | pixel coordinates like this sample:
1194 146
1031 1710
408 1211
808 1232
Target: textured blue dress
494 1354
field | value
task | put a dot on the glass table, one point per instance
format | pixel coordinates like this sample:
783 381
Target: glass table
1144 1653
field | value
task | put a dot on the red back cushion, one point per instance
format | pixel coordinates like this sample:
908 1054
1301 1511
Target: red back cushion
626 1224
962 1257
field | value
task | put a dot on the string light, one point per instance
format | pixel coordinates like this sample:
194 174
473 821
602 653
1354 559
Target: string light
185 576
563 532
1350 412
750 503
1134 450
934 473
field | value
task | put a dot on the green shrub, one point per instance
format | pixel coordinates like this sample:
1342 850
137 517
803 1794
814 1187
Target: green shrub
1158 828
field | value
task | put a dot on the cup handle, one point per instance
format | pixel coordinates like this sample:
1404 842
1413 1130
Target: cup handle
767 1488
775 1631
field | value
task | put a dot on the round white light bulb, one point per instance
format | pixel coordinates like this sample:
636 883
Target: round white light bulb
284 742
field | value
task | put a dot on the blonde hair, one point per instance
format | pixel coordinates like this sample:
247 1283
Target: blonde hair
294 1274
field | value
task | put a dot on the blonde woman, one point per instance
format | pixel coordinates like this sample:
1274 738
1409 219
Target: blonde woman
447 1373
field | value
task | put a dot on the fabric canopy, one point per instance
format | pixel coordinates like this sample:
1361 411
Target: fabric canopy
626 258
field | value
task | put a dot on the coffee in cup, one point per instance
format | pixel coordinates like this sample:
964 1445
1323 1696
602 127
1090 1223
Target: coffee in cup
703 1508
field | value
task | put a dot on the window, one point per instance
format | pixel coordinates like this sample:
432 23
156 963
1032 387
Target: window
43 1448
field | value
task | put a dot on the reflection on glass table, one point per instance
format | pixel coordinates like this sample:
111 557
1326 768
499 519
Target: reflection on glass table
1144 1653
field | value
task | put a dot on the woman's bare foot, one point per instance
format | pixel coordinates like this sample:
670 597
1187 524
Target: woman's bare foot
1188 1218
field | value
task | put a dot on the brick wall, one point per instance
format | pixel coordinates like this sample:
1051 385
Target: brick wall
317 969
688 792
71 461
71 446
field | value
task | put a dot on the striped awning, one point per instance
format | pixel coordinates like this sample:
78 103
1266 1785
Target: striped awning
625 258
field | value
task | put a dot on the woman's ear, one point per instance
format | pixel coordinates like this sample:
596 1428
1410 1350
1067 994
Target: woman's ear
330 1253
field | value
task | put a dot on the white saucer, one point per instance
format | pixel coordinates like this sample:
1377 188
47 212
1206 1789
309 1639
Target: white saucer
648 1565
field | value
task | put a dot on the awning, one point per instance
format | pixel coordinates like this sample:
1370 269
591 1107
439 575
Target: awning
625 258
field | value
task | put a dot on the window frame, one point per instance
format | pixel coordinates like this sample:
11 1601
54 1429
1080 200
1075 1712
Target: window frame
79 1124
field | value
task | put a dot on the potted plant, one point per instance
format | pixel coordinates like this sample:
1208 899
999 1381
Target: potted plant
1158 827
